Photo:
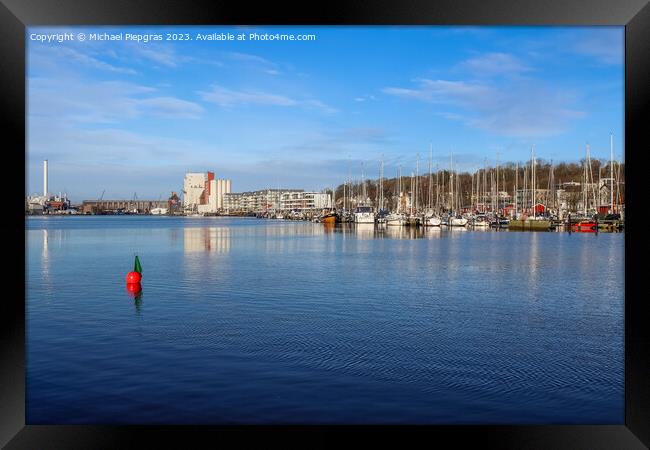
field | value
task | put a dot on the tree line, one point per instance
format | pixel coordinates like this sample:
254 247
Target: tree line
436 186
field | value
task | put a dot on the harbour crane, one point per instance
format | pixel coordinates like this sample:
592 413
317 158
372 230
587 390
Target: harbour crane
135 197
97 207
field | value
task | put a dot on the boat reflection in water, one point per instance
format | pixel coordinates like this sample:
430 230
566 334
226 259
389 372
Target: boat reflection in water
329 227
364 230
134 290
405 232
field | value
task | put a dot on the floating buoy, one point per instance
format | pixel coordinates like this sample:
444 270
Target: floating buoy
136 275
133 277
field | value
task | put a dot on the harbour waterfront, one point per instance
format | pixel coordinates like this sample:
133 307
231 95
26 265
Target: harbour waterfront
245 320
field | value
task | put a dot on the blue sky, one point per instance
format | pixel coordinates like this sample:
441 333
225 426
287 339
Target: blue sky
126 116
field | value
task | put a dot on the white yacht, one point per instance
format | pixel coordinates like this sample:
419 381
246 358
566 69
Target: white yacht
396 219
457 221
481 221
364 214
431 220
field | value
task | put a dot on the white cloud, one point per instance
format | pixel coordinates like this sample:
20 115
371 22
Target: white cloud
172 107
263 64
164 55
228 97
491 64
526 108
320 105
606 46
364 98
71 54
225 97
80 101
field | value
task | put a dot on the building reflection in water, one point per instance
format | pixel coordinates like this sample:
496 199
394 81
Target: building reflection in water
212 239
51 240
202 245
45 257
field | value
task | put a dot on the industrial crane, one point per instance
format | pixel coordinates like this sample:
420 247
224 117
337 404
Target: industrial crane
97 207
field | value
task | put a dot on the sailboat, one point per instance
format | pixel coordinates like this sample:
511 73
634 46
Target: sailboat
381 214
455 220
397 218
535 222
430 219
364 213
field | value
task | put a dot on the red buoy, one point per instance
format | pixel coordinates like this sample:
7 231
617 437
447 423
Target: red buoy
133 277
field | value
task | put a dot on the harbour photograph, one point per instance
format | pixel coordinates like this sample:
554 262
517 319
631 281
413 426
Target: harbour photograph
318 225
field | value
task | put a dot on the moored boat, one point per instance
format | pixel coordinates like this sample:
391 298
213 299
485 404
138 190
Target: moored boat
585 226
330 217
481 221
500 222
364 214
396 219
458 221
530 223
432 221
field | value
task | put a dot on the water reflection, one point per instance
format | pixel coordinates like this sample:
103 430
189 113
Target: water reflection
134 291
45 256
364 230
173 235
329 228
534 263
211 239
404 232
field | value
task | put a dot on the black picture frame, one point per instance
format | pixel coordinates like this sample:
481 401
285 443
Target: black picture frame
15 15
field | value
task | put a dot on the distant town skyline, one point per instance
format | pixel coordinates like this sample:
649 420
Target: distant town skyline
121 116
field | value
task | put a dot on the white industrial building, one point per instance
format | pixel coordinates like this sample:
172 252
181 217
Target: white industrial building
38 204
203 193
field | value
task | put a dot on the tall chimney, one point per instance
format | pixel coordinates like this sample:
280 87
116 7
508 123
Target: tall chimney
45 178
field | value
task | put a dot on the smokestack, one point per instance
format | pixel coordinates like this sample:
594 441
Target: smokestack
45 178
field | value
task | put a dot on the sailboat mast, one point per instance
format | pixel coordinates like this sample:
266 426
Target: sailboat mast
478 183
417 164
471 197
411 206
430 178
591 179
451 183
611 173
533 180
399 184
497 186
381 185
516 186
363 185
584 188
437 189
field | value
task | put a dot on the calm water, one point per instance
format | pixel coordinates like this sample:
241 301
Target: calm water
257 321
